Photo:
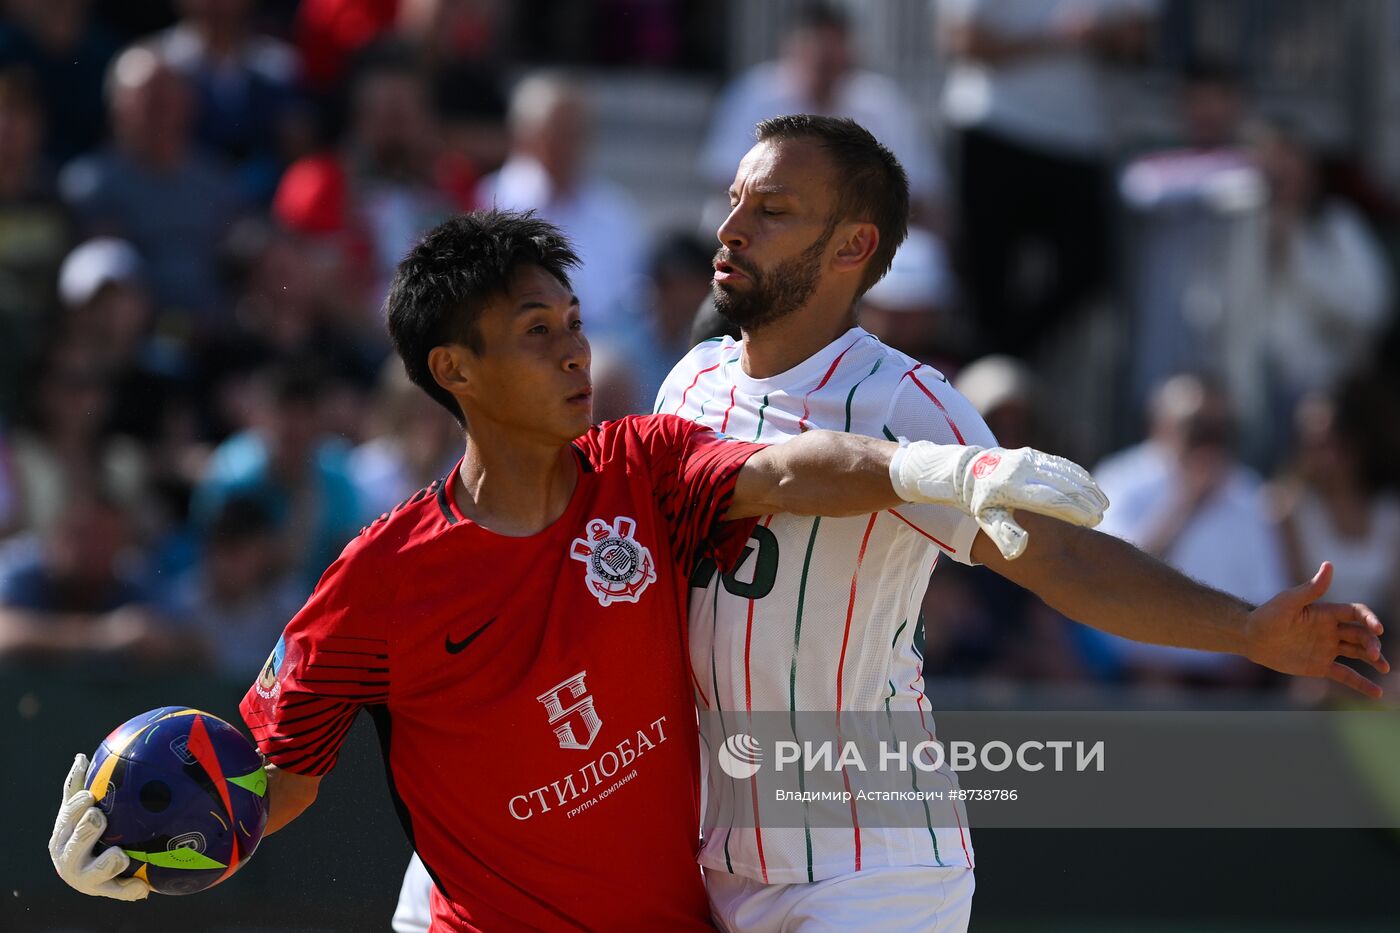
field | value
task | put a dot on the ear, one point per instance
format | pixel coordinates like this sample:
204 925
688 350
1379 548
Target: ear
452 368
855 250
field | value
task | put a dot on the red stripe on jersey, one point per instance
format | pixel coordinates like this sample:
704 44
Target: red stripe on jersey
724 425
933 398
758 829
850 612
707 369
748 708
919 702
748 644
802 422
947 547
840 675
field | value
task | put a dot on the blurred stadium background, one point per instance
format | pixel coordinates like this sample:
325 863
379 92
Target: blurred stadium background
1159 236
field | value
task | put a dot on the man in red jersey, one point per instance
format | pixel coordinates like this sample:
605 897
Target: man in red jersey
516 630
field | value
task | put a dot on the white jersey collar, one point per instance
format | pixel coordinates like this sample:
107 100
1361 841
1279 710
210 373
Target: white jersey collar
805 374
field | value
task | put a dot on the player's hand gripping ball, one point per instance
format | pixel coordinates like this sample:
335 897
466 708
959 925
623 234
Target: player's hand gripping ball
185 797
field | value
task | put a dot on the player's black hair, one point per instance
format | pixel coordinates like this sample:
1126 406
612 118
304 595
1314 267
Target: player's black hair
870 185
440 287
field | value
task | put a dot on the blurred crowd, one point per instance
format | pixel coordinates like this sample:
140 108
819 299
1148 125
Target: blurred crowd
202 201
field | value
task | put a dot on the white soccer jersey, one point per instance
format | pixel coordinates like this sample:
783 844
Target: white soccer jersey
821 614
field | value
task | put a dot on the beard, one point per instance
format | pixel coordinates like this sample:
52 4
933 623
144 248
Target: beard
774 294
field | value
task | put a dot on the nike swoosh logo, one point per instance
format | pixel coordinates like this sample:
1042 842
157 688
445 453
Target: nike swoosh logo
456 647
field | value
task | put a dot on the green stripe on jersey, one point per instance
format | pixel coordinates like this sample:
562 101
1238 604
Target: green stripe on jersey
886 429
853 393
760 418
659 403
714 680
792 681
928 817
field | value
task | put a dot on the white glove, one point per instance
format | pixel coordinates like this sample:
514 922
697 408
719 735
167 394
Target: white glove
987 483
77 828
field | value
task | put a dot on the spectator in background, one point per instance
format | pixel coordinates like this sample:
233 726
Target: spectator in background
246 86
1033 141
153 188
1192 269
1328 290
76 599
1183 496
149 405
816 72
412 442
547 172
471 110
62 444
68 56
1211 106
235 603
108 315
330 32
35 233
292 304
287 463
1334 504
448 31
378 194
458 44
630 366
910 308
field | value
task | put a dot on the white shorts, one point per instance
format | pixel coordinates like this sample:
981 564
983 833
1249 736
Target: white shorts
414 913
879 900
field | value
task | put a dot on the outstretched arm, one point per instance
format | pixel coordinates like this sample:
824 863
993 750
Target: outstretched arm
1107 583
833 473
819 473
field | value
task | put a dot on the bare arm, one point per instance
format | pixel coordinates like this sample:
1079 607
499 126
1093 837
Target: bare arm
819 473
833 473
288 796
1107 583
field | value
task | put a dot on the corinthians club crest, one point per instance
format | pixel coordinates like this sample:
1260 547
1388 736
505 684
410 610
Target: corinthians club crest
618 567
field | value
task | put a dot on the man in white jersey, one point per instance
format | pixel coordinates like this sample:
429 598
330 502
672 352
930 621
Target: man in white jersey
821 615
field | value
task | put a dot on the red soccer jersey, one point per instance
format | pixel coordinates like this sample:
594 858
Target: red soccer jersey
531 694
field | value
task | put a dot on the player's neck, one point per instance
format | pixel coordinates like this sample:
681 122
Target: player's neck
514 489
777 347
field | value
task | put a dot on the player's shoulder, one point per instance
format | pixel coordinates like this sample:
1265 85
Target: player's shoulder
631 435
892 371
419 518
705 356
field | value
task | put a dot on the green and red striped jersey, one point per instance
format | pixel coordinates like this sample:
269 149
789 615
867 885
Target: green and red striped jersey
822 616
